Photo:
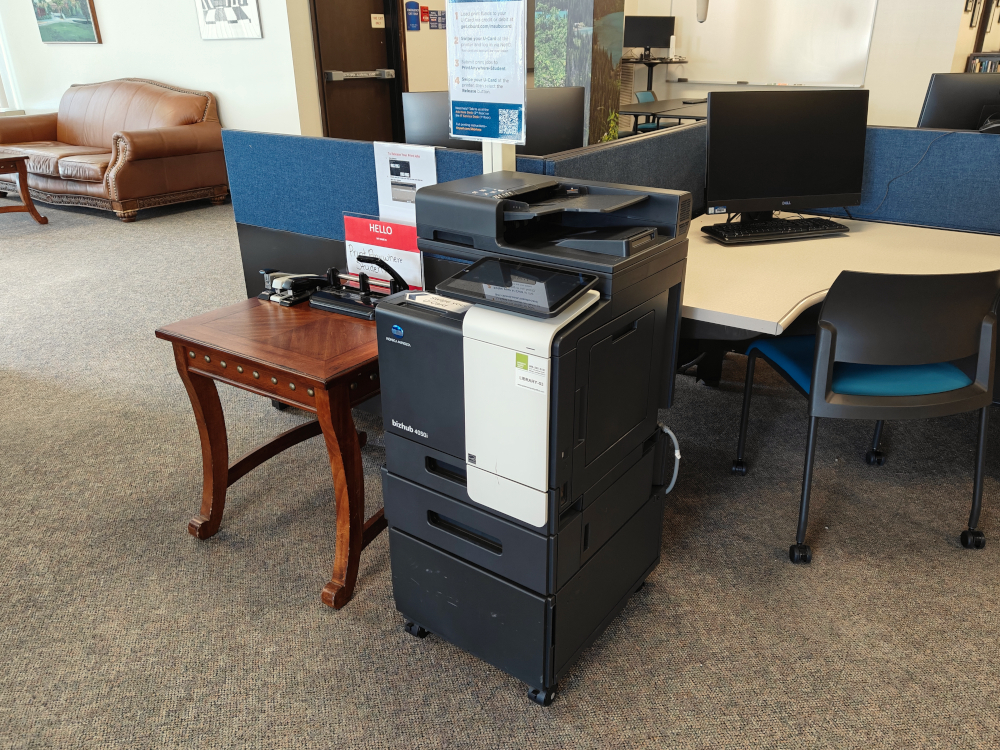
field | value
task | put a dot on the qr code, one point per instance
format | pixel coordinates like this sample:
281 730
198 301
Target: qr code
509 122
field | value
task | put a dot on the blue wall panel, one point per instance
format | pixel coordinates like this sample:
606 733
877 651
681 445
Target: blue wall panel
955 186
672 158
305 185
299 184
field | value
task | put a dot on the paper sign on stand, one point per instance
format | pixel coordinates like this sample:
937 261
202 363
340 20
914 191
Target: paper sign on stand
396 244
486 69
401 170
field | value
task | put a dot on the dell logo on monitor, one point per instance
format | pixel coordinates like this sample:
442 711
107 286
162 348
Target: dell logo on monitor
786 203
397 331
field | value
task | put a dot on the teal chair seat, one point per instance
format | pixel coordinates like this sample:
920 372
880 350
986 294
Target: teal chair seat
794 355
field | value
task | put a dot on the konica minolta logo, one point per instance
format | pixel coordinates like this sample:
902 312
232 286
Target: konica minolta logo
407 428
397 331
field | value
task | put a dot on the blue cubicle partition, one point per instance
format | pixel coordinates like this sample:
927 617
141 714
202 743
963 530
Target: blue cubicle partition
934 178
671 158
290 194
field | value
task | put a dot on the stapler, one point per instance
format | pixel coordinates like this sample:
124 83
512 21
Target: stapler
360 301
289 289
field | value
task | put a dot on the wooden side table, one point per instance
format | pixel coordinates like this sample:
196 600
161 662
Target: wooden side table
19 165
311 359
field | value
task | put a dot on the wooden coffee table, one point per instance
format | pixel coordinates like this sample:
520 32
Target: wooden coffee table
310 359
18 165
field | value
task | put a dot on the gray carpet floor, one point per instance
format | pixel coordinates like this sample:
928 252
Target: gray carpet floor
119 630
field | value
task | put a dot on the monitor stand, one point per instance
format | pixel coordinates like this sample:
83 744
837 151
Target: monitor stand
752 217
646 54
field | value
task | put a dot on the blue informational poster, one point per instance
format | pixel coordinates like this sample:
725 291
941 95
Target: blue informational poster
412 15
486 69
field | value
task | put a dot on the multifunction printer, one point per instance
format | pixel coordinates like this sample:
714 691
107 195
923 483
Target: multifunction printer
520 400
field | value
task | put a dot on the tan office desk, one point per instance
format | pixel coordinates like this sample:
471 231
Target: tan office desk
762 287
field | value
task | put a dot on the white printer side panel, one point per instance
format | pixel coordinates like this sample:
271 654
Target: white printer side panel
506 422
506 358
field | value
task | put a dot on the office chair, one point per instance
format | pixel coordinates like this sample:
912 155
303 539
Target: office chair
890 346
652 121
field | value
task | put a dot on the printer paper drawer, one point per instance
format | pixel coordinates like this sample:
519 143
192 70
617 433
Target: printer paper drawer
474 535
487 616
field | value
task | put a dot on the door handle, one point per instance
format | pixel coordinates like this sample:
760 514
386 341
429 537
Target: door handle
340 75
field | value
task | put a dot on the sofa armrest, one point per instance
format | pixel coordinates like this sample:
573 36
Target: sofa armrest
177 140
27 128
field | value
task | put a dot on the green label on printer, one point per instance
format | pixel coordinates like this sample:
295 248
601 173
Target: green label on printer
531 372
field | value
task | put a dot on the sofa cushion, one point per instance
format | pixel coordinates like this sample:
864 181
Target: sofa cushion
85 167
44 156
91 114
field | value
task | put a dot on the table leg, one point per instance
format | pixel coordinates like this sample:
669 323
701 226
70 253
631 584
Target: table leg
22 188
334 412
214 446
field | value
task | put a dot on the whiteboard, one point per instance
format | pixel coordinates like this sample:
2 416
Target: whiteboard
768 42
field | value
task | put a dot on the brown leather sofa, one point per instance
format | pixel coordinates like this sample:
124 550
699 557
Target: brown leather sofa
121 146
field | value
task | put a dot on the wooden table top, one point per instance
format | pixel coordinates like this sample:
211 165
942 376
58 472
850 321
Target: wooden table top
313 343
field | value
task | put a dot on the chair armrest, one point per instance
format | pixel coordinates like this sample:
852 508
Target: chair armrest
177 140
27 128
987 352
822 375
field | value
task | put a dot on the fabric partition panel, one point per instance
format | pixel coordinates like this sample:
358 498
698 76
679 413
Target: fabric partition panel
305 185
933 178
671 158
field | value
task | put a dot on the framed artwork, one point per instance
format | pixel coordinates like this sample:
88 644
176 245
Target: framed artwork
228 19
67 21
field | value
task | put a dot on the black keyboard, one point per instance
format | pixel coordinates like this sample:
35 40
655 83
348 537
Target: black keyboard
775 229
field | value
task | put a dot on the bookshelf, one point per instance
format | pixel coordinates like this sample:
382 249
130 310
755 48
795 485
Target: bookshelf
983 62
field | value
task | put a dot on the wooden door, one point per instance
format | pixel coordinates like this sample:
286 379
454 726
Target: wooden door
366 109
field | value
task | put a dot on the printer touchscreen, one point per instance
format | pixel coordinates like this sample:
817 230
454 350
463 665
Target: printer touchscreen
518 287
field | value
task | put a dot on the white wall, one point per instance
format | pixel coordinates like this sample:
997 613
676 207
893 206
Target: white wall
426 55
911 40
260 84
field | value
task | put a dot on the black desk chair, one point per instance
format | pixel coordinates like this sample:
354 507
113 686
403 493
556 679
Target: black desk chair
890 347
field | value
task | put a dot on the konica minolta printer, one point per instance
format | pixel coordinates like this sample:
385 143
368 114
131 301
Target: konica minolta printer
520 407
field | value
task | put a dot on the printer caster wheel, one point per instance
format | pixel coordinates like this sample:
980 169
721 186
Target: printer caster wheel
875 458
415 630
800 553
973 539
542 697
740 467
278 405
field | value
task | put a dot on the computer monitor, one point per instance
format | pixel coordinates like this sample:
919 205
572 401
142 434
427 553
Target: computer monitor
784 150
648 31
960 101
553 120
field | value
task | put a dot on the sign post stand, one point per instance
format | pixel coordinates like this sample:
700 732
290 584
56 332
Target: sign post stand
486 76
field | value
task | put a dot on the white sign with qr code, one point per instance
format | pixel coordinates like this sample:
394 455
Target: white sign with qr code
487 43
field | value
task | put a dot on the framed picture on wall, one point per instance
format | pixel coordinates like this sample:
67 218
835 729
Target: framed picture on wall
67 21
228 19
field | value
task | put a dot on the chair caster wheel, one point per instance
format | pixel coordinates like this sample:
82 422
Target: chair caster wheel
416 630
875 458
278 405
800 553
542 697
739 467
972 539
